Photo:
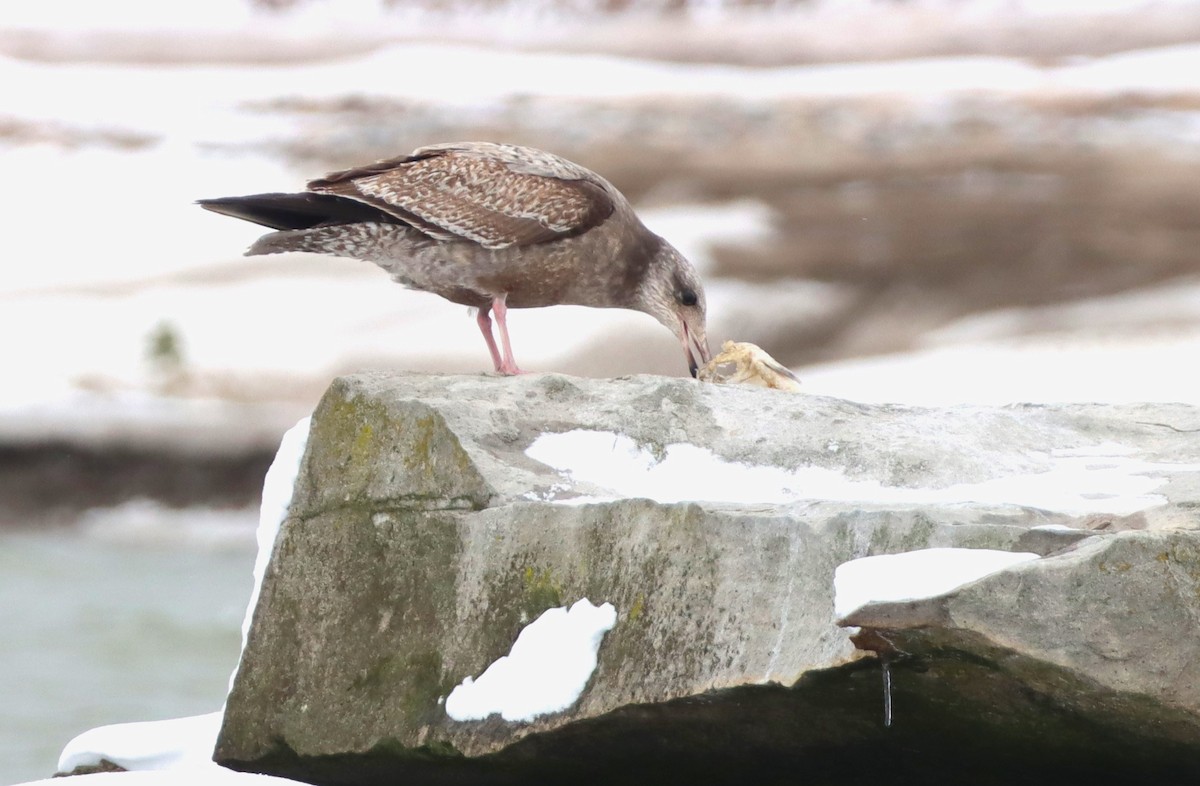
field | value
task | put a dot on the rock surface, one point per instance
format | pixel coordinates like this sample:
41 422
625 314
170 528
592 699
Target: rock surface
423 536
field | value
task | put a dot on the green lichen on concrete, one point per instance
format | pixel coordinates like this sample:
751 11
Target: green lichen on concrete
422 433
382 671
638 608
541 591
412 593
373 590
413 679
391 747
362 443
398 454
590 553
427 682
433 449
666 572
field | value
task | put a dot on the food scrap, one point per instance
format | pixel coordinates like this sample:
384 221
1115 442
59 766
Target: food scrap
743 363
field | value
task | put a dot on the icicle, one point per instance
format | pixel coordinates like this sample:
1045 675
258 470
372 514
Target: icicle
887 692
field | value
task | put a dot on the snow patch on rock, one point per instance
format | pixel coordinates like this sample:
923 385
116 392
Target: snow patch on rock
546 670
914 575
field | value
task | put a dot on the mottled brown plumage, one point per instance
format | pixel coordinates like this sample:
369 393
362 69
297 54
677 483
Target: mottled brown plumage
490 226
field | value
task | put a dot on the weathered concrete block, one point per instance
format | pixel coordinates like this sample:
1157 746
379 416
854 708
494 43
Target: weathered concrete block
423 535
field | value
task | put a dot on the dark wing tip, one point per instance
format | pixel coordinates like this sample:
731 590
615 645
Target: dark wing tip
274 211
226 206
295 211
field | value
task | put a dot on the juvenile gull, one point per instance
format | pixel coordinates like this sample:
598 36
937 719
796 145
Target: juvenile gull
490 226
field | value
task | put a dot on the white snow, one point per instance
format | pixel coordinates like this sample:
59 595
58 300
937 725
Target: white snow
546 670
127 15
617 463
1125 348
1110 483
483 75
207 776
914 575
1085 369
359 15
182 743
278 487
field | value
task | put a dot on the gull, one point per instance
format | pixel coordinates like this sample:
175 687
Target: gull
490 226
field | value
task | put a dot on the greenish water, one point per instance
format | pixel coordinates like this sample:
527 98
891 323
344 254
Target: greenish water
97 630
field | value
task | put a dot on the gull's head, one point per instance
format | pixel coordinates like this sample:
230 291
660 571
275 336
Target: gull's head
671 292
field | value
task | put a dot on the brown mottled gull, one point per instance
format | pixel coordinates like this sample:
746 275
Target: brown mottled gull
490 226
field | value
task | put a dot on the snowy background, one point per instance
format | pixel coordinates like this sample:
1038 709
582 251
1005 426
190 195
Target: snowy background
930 202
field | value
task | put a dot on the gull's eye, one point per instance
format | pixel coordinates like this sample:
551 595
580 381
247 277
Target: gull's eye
686 297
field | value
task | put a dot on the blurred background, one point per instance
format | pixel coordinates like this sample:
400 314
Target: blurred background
929 202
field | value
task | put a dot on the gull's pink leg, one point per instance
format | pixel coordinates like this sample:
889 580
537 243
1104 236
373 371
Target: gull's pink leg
485 327
509 365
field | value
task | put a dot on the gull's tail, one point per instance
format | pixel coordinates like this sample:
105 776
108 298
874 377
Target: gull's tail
295 211
319 223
